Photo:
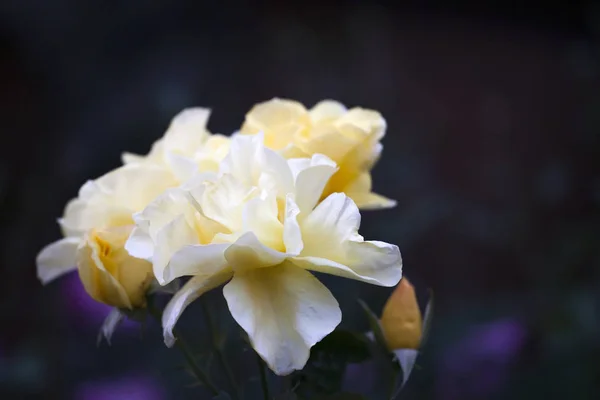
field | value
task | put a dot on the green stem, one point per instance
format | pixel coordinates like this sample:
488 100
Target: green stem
263 378
187 353
218 348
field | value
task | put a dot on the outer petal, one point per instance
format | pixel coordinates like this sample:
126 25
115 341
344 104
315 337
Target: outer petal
247 252
140 244
311 176
187 131
285 311
332 245
97 281
327 111
110 324
193 289
195 259
360 191
260 217
171 238
57 259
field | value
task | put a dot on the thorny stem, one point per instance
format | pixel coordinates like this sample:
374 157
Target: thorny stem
218 348
187 353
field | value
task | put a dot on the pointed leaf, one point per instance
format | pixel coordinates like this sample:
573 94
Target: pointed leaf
374 325
427 317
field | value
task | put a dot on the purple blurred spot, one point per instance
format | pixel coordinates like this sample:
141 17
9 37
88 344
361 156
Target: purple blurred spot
478 365
360 377
131 388
82 309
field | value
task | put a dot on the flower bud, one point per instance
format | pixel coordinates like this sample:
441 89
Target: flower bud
108 273
401 320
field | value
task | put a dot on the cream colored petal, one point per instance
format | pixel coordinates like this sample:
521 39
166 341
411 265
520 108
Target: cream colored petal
368 121
140 244
203 259
285 311
275 174
335 220
260 217
223 200
157 215
360 191
162 210
57 259
183 167
332 143
247 252
327 110
170 239
241 161
129 158
292 235
193 289
311 177
97 281
187 131
372 201
330 233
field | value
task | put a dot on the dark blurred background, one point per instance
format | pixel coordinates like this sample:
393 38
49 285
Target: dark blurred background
492 153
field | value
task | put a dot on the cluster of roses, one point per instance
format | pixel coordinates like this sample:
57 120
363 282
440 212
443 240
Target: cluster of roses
256 211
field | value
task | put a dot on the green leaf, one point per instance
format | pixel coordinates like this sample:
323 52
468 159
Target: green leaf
427 319
344 345
374 325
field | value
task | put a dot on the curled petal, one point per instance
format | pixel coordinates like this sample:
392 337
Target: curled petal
247 252
171 238
140 244
110 324
193 289
57 259
311 177
332 245
196 259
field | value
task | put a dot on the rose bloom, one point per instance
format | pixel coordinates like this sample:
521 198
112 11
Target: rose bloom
98 222
259 226
351 138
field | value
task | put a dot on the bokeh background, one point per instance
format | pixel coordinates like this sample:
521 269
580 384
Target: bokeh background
492 152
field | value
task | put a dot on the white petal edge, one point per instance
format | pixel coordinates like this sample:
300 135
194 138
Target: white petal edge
140 244
311 180
247 252
193 289
110 324
57 259
204 259
170 239
332 245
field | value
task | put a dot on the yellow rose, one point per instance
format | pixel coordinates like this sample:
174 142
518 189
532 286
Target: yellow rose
351 138
401 320
96 226
258 227
186 147
108 273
